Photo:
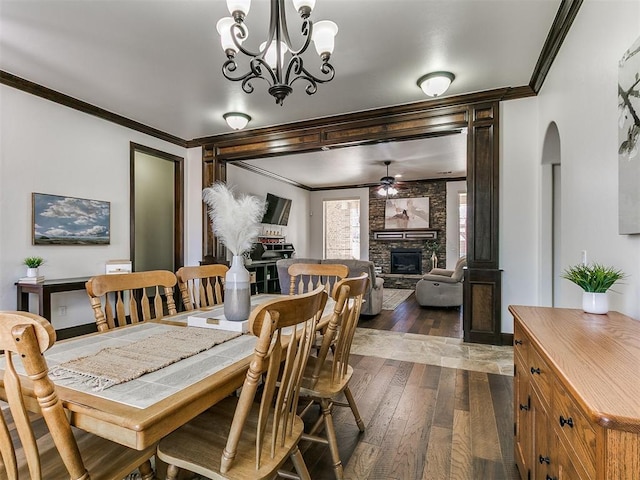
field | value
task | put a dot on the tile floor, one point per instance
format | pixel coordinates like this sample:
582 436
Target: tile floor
432 350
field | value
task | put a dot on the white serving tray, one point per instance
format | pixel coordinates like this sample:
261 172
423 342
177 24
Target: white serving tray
216 320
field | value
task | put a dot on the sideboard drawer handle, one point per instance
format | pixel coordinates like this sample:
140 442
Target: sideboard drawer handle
566 421
518 342
550 478
524 407
544 460
535 371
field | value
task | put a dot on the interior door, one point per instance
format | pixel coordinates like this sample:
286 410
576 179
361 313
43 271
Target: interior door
156 210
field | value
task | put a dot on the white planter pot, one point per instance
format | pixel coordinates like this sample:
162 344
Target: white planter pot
595 302
32 272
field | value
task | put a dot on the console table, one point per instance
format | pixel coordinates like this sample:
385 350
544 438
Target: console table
576 390
44 290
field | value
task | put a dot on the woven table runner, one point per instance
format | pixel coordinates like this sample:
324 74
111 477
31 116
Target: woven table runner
114 365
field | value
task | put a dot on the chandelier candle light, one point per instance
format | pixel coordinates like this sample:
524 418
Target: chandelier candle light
268 63
236 222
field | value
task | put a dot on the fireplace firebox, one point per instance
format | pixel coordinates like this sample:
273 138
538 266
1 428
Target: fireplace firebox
406 261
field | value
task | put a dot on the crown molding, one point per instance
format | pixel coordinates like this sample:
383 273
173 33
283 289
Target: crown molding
561 24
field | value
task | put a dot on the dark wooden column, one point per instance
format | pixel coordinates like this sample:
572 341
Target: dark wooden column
482 284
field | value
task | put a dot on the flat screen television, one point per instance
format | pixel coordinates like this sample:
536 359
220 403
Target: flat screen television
277 212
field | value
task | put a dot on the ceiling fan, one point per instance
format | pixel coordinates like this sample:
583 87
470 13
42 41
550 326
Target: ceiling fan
387 184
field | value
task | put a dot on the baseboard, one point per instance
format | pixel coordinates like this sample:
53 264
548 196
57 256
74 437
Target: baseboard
76 331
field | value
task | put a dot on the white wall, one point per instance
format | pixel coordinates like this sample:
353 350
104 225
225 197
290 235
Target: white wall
519 186
193 206
453 222
580 95
316 231
297 230
48 148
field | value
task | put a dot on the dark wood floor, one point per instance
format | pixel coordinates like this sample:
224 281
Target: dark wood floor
410 317
422 421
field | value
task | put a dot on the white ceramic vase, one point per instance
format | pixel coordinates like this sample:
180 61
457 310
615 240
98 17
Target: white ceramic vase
434 260
595 302
32 272
237 291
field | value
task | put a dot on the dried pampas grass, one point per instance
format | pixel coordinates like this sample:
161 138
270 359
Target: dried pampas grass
235 221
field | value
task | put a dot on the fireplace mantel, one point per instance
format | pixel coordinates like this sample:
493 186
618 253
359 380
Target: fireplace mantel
412 234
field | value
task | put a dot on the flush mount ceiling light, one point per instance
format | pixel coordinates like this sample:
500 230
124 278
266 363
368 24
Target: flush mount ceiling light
435 84
277 61
236 120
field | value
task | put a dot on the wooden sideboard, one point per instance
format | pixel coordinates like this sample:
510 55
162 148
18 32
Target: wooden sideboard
577 394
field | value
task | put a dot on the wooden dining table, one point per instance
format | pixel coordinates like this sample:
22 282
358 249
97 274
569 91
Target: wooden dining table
138 413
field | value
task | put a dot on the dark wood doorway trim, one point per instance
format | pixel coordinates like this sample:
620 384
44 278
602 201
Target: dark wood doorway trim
178 193
482 309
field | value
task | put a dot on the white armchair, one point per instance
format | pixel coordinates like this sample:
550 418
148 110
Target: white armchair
442 288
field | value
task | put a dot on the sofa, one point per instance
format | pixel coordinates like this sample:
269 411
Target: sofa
373 299
442 288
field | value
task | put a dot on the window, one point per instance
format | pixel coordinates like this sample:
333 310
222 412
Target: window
341 224
462 216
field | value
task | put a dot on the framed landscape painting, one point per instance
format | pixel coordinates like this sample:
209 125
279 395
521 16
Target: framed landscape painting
59 220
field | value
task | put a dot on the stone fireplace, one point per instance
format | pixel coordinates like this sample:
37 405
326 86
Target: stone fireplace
406 261
380 248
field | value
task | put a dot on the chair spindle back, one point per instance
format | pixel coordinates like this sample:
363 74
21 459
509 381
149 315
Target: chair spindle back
348 295
308 276
285 329
124 298
27 336
201 286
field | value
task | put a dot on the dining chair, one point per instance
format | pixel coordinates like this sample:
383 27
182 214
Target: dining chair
307 276
245 437
62 452
327 376
123 298
201 286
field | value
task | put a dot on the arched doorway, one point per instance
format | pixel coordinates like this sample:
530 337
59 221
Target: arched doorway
551 185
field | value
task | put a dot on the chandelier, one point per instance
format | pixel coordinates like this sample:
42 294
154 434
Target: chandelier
268 63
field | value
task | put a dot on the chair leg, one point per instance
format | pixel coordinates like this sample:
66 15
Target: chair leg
298 463
172 472
146 472
354 408
331 437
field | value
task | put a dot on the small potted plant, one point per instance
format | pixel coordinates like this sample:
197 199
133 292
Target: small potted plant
432 246
595 280
32 264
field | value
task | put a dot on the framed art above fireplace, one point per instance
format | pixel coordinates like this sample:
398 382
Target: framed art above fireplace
406 213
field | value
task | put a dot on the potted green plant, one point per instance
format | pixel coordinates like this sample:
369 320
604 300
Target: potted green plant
595 280
432 246
32 264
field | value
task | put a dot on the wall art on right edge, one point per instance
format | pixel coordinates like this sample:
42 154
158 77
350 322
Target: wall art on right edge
628 133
